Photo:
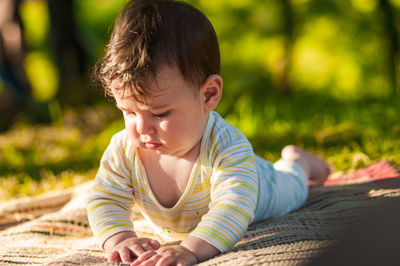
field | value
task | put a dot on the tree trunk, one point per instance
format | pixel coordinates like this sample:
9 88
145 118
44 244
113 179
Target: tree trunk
394 49
70 55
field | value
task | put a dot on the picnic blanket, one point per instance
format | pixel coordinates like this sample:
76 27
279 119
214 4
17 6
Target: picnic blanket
53 229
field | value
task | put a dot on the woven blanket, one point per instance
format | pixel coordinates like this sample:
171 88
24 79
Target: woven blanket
53 229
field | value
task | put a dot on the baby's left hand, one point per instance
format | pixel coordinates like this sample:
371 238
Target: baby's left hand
167 255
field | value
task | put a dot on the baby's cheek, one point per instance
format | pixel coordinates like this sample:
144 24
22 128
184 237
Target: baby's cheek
164 126
129 123
131 129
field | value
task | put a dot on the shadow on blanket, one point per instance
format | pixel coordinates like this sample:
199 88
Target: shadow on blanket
52 229
373 241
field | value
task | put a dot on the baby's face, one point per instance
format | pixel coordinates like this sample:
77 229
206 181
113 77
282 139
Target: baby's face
172 122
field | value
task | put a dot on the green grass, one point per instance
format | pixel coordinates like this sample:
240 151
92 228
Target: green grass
38 158
348 134
343 132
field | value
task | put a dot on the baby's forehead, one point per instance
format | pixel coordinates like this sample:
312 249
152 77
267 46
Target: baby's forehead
156 99
157 88
150 98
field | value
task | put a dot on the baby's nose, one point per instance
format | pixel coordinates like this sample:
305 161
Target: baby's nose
143 126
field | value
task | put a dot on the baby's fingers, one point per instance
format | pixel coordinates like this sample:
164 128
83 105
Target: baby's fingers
170 260
154 244
125 255
114 257
145 256
151 245
138 249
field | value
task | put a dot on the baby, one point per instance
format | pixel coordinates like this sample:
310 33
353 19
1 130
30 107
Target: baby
193 176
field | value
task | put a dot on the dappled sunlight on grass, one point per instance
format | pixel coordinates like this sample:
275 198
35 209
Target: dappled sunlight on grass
34 159
21 185
336 129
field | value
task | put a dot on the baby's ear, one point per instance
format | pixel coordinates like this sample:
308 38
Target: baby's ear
211 91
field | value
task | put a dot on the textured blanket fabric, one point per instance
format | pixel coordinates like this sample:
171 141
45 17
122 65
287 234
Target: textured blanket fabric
53 229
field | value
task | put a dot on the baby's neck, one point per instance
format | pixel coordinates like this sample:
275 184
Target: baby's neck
165 171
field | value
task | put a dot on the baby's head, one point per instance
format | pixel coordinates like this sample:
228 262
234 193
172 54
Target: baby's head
162 68
150 34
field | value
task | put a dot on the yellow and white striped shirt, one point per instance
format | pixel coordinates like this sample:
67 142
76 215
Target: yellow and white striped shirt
225 189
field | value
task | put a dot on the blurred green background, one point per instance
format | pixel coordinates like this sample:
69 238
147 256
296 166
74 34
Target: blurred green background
323 75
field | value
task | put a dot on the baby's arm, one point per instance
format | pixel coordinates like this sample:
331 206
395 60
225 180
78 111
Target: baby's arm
201 249
109 205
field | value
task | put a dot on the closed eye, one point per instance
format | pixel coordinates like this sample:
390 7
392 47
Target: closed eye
162 115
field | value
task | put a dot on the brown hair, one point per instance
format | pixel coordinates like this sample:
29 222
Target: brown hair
148 33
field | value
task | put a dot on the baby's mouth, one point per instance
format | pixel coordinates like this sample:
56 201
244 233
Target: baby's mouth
152 145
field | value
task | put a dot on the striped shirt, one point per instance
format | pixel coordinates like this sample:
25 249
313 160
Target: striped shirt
221 198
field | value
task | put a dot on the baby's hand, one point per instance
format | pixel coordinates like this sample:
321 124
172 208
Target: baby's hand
168 255
125 247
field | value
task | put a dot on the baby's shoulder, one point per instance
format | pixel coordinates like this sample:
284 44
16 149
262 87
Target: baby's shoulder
225 138
225 133
120 141
120 137
121 147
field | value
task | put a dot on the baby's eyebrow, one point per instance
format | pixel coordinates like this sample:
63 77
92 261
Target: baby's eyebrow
160 106
150 107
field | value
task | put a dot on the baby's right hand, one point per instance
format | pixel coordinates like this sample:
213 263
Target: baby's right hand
126 247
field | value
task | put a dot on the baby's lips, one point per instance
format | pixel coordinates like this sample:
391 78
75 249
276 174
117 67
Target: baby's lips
152 146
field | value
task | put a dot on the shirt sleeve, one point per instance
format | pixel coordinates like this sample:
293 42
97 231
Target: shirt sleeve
111 198
234 187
